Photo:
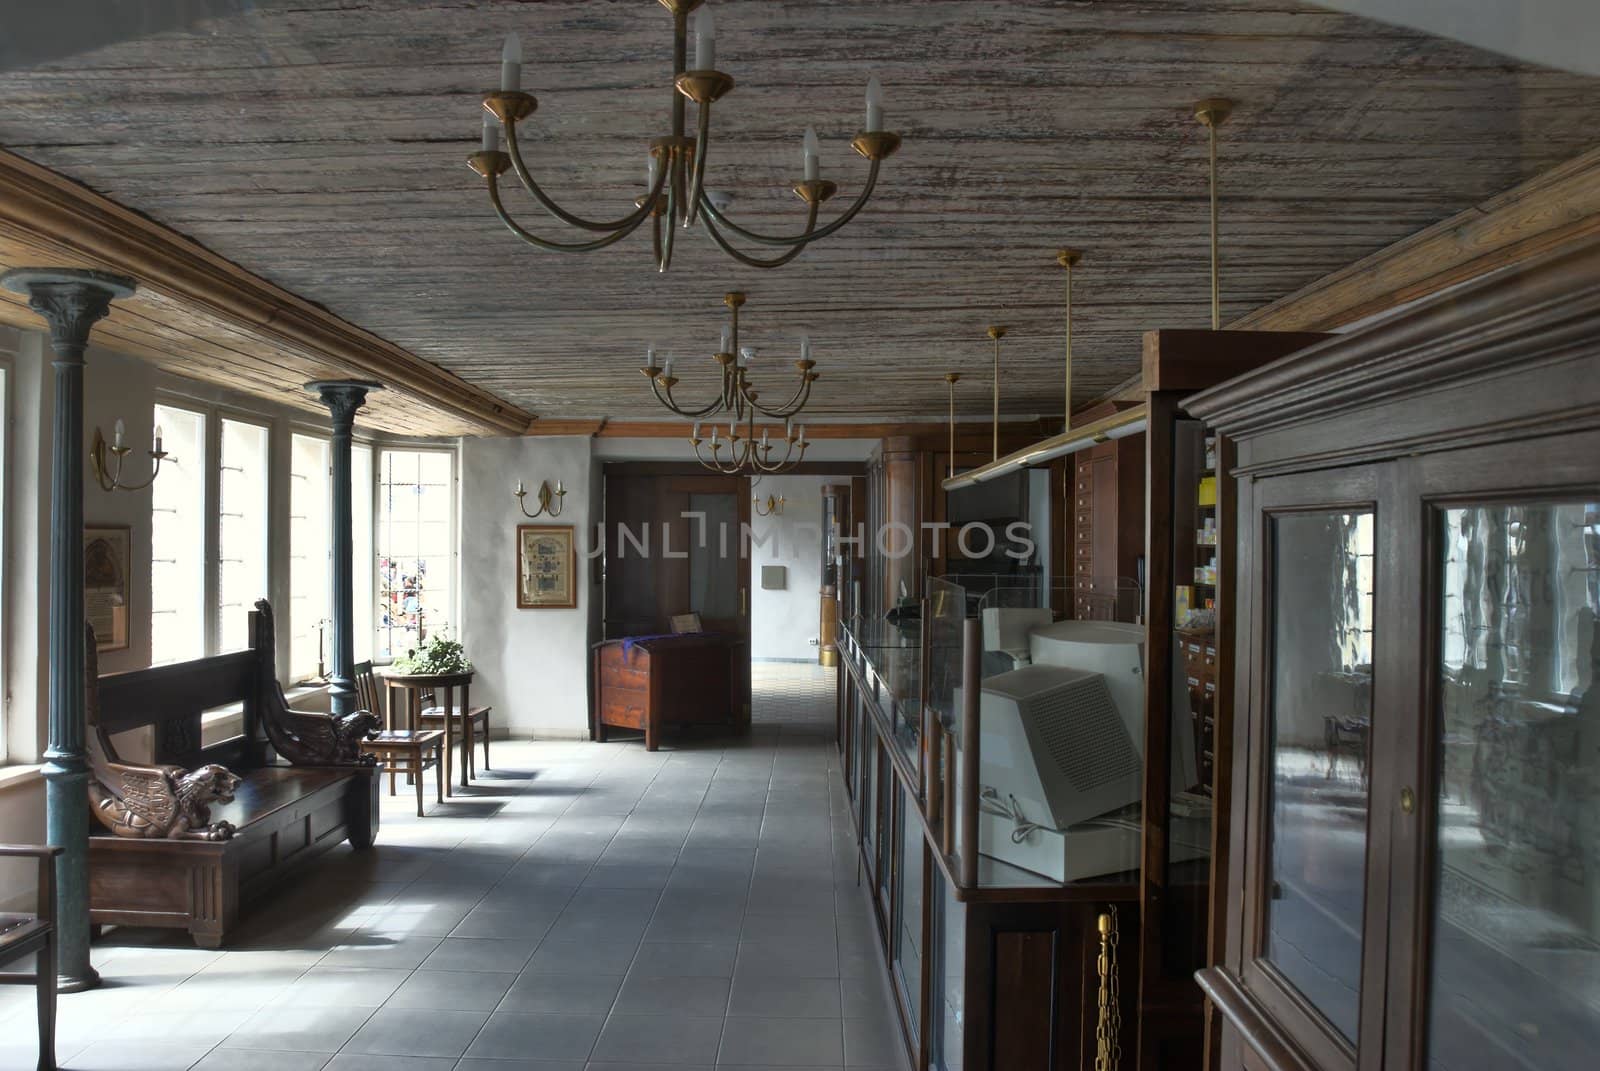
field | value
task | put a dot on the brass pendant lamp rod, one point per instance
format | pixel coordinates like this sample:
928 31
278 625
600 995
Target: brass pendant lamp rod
996 333
951 379
1068 258
1212 113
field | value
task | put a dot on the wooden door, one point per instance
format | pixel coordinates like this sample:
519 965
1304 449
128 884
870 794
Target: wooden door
677 544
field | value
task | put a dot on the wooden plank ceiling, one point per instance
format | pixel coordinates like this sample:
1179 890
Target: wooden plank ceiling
323 147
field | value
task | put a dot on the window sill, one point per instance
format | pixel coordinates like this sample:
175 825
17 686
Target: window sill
16 776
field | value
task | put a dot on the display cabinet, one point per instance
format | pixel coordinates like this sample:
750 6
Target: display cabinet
1415 867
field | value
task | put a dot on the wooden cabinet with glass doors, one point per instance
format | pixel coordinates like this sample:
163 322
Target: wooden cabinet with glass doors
1415 870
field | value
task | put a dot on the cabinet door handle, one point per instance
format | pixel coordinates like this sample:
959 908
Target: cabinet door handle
1408 800
744 601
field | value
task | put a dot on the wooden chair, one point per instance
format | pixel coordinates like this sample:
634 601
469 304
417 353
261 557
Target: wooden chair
23 935
476 723
400 750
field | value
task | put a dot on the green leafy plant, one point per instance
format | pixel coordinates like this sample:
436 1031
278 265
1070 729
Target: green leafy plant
438 656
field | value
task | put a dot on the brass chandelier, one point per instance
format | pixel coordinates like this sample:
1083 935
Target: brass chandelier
677 162
738 403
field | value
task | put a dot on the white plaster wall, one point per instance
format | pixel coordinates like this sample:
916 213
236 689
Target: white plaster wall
784 623
532 665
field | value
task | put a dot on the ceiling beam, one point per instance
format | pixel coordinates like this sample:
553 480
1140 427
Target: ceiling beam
1549 210
667 429
70 225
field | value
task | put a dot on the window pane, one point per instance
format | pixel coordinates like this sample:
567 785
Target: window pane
177 539
241 530
1516 896
415 549
1321 721
310 552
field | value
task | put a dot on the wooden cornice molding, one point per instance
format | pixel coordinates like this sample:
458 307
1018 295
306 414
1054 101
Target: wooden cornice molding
1554 208
71 225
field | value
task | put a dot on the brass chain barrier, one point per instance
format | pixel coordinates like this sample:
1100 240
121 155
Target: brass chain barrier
1108 1024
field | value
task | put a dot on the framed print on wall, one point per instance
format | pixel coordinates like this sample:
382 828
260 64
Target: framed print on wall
107 560
547 567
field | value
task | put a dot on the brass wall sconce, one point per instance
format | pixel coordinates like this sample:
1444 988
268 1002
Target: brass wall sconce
109 477
550 502
774 506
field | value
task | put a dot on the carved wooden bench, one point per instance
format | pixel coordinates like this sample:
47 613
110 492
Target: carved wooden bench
303 787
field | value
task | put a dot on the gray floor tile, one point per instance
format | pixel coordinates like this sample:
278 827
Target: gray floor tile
512 1036
661 1038
308 1029
534 992
505 955
783 1041
688 996
403 1032
705 959
451 991
261 1060
334 986
787 957
872 1043
577 957
355 1061
786 998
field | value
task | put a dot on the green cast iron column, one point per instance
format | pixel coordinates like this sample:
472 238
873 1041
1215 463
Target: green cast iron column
71 301
342 397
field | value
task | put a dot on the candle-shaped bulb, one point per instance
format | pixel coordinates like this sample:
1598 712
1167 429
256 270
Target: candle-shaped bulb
810 153
561 488
695 434
763 437
788 429
666 368
491 133
726 343
874 105
705 40
158 438
511 64
805 347
713 435
802 434
649 356
520 489
117 431
652 171
733 430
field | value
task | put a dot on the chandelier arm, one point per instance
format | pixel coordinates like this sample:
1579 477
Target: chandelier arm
664 260
702 142
775 262
715 406
788 409
562 214
712 213
544 243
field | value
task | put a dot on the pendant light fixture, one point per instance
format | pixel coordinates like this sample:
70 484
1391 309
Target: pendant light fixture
951 379
1211 114
1068 259
996 333
674 167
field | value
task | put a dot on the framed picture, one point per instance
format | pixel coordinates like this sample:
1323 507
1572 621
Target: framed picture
107 560
547 567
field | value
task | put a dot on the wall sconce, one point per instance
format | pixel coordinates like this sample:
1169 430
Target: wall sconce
774 506
545 496
110 478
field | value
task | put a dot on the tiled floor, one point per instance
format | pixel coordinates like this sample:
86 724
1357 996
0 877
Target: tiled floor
586 907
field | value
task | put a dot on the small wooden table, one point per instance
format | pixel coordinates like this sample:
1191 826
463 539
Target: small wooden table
410 687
